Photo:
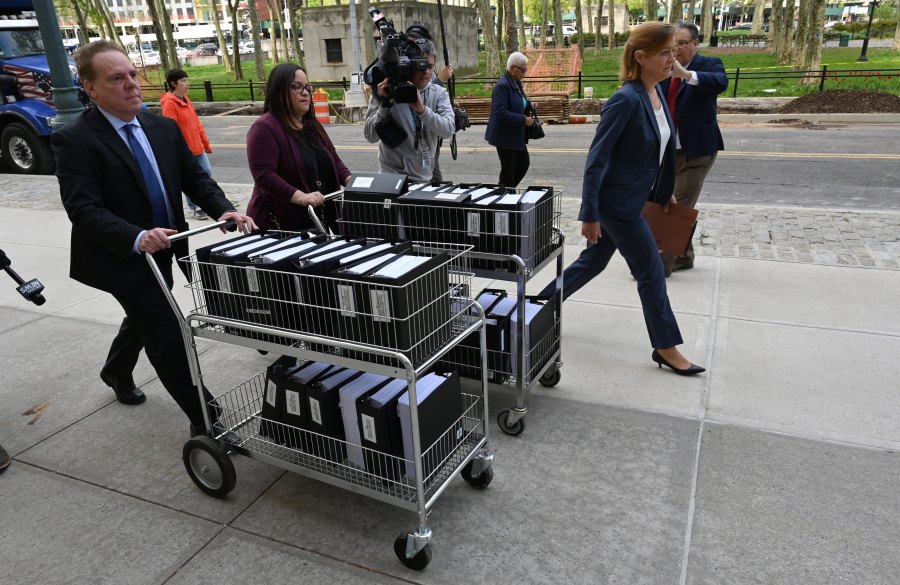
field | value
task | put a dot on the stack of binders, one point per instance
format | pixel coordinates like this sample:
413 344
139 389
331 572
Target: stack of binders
368 208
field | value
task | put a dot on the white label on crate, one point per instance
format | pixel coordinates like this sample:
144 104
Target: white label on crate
222 275
453 196
501 223
293 402
368 425
314 413
387 203
362 182
502 341
270 393
346 300
259 312
473 221
298 289
252 280
459 433
381 305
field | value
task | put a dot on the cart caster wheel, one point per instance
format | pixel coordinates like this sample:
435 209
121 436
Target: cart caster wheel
421 558
514 429
479 481
209 466
262 352
551 379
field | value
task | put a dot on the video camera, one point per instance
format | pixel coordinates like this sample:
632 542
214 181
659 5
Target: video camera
398 57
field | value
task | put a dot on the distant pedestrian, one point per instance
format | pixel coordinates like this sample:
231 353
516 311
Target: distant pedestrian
511 113
631 161
691 94
177 105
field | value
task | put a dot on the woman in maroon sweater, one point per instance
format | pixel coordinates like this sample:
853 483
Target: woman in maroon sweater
292 160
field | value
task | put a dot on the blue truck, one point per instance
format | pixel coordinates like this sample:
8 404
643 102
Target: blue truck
26 106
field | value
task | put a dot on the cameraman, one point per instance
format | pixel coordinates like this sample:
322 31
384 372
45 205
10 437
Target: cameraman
418 31
424 122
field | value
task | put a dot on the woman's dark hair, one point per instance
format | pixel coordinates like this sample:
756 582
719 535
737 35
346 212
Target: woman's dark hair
279 101
173 76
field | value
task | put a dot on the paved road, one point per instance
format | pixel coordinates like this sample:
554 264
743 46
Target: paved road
842 166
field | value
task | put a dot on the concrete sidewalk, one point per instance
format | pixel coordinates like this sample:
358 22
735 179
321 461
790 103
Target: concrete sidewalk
778 466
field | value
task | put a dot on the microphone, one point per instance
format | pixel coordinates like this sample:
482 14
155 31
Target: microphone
31 290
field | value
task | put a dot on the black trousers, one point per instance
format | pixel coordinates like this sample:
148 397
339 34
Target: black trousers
513 166
150 324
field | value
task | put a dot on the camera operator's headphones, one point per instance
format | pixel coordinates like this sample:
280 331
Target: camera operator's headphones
418 31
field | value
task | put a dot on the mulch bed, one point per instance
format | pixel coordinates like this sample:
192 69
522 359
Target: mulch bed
843 101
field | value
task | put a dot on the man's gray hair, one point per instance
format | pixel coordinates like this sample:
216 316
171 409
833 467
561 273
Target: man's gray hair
426 46
516 59
695 32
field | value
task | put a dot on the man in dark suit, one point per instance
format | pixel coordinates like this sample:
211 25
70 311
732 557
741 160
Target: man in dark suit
121 174
691 91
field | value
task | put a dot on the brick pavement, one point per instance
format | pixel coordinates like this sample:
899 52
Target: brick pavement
831 237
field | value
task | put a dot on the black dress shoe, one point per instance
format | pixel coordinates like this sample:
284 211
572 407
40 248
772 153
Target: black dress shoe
682 264
125 393
692 370
5 459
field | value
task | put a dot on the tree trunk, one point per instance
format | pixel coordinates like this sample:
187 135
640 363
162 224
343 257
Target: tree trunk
368 44
590 11
105 22
758 7
557 23
257 46
787 37
802 33
232 12
579 24
170 37
599 34
220 36
153 9
896 44
706 19
545 4
493 69
82 23
611 42
813 54
677 12
512 40
776 24
649 10
692 8
520 10
276 30
294 24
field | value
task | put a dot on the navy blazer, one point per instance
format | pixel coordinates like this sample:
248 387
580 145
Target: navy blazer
695 107
622 170
104 194
506 125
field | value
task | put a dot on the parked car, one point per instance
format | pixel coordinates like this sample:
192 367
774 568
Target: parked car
742 26
569 30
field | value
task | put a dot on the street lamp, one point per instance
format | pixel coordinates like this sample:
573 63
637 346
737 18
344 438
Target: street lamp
862 56
65 94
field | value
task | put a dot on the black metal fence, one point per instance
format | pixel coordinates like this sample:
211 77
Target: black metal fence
257 88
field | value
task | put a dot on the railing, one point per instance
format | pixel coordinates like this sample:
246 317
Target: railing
253 88
735 77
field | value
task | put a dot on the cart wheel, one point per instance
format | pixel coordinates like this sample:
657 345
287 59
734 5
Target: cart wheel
262 352
479 481
551 379
421 558
209 466
514 429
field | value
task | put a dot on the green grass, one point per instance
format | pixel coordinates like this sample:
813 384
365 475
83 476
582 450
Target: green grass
752 64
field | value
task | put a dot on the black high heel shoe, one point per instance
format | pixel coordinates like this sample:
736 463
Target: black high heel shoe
693 370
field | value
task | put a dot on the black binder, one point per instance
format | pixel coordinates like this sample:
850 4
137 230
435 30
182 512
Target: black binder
273 398
368 205
467 354
325 419
435 213
379 430
352 395
295 404
440 411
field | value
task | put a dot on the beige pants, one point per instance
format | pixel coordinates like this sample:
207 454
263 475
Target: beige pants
689 177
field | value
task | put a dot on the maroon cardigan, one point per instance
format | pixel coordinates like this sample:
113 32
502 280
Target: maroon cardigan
278 171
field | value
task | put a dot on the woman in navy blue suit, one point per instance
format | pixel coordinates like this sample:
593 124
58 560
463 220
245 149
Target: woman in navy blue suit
510 114
631 161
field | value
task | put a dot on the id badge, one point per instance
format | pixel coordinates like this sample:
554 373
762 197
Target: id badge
426 160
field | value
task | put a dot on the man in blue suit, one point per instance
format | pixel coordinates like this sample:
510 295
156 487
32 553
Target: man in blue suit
691 93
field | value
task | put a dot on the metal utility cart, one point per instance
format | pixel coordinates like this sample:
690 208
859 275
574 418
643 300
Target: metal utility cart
509 244
226 308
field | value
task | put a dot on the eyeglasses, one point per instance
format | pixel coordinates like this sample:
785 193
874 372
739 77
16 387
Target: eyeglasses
682 44
522 69
301 87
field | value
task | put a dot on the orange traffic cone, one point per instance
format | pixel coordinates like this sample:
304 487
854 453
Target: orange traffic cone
321 107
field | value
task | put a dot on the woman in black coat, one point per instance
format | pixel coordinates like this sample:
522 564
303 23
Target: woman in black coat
510 114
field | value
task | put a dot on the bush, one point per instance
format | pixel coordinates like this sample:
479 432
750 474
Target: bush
590 39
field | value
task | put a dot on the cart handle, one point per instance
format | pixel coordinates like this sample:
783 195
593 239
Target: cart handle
229 225
312 210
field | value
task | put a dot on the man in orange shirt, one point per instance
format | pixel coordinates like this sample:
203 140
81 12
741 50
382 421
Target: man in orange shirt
177 105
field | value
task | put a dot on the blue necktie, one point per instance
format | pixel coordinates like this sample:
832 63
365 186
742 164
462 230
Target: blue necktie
157 197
